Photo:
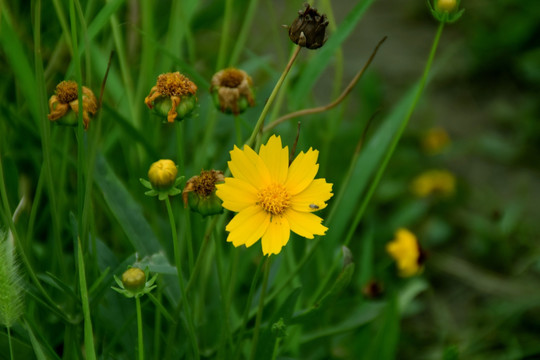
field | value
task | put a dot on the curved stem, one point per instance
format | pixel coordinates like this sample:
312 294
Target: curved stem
334 103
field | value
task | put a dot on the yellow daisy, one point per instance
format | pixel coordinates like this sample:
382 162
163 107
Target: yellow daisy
272 198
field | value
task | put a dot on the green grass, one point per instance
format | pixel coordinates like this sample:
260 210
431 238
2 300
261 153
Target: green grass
77 214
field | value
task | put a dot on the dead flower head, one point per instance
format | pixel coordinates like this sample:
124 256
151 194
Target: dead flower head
200 193
231 91
309 28
173 96
66 98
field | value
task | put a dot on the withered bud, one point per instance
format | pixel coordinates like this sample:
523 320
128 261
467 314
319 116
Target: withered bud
200 193
309 28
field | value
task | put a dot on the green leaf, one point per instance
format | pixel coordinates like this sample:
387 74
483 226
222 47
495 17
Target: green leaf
383 345
128 213
324 55
365 167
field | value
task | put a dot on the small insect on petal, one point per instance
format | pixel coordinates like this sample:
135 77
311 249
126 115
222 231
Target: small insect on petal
313 206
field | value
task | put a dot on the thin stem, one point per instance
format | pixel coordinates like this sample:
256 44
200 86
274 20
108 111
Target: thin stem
157 321
88 333
260 310
178 263
139 329
246 310
224 43
260 121
9 341
240 41
334 103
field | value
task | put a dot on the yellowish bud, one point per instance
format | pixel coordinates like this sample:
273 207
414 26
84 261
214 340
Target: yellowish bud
134 279
446 5
162 174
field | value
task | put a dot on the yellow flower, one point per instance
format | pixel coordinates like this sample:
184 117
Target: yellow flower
231 91
406 252
441 182
66 98
272 198
162 174
435 140
173 96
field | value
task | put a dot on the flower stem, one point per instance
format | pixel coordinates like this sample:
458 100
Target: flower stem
88 333
178 264
9 341
260 121
260 311
139 329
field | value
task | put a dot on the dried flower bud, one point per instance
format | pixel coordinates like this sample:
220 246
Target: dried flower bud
66 98
173 96
309 28
134 279
200 193
231 91
162 174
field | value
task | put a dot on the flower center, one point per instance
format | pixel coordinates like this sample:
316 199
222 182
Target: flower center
231 78
175 84
274 199
67 91
205 184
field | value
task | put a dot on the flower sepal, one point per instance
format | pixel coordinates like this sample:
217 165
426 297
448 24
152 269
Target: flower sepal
133 283
445 11
162 194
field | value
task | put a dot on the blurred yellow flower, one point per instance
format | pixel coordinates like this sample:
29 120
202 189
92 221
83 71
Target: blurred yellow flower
272 198
435 140
406 251
441 182
162 174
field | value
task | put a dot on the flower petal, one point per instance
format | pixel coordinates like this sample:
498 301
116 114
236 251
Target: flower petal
276 159
236 194
247 165
313 198
302 171
248 226
305 224
276 236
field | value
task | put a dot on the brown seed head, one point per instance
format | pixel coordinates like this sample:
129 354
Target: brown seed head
175 84
67 91
309 28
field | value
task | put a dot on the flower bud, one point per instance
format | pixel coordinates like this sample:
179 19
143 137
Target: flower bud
173 96
446 5
162 174
446 11
231 91
134 279
64 104
309 28
200 193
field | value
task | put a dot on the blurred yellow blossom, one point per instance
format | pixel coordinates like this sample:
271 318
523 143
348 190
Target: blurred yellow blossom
440 182
435 140
406 251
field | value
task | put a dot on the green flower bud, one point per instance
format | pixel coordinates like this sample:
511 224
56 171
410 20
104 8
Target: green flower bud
134 279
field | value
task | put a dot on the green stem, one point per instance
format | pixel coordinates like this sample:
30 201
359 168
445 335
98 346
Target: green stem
246 310
9 341
260 310
178 263
225 36
157 321
260 121
139 329
388 155
89 347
